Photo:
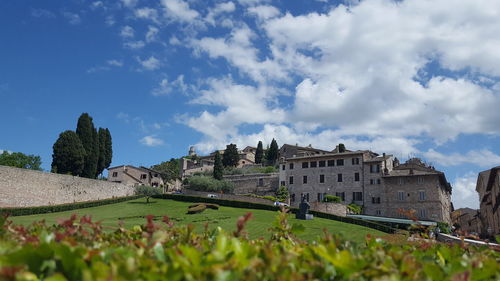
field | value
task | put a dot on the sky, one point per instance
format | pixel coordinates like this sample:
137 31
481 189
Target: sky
413 78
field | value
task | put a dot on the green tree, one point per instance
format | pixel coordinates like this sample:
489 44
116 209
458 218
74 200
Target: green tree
21 160
105 150
88 136
272 153
218 167
341 147
68 154
147 191
108 148
230 157
259 153
169 170
282 193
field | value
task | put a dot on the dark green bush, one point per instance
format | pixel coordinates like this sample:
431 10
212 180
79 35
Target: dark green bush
332 199
63 207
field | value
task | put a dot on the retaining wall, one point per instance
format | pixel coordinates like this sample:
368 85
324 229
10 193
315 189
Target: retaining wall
28 188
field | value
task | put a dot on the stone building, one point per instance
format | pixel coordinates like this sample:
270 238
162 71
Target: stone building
376 182
466 220
488 187
134 176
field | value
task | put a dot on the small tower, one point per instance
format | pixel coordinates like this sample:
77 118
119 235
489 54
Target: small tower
192 151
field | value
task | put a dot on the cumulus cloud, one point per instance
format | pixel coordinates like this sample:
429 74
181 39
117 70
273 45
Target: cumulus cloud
127 32
165 87
150 63
482 158
220 8
134 45
151 141
147 13
179 10
464 192
152 33
264 12
129 3
42 13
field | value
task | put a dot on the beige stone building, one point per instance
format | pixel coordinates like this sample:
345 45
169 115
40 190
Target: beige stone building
376 182
466 220
134 176
488 187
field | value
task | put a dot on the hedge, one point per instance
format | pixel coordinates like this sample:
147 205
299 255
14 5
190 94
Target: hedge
63 207
197 209
251 205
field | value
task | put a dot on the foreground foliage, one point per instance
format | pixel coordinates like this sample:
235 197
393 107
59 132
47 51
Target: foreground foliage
79 249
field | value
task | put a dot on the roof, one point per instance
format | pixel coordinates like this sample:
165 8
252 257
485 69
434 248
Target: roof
410 173
133 167
309 148
329 154
379 158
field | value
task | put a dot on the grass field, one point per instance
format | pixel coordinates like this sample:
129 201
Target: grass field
133 212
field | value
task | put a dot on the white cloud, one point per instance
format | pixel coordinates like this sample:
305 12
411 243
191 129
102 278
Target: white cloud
129 3
252 2
151 63
117 63
179 10
464 192
72 18
42 13
226 7
151 141
152 33
134 44
147 13
110 21
96 5
264 12
127 32
481 158
165 87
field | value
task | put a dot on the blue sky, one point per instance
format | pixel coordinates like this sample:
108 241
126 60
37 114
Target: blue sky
411 78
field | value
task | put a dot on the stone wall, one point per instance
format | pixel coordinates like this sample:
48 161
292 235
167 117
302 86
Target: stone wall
259 184
330 208
228 196
27 188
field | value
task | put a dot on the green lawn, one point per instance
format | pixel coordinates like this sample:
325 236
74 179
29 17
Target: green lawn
133 212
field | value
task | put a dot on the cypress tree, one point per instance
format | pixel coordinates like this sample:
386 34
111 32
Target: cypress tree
259 153
230 157
88 136
341 147
218 167
108 149
272 153
68 154
101 162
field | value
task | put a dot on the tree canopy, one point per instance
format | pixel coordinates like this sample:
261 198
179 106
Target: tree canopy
105 150
21 160
230 157
259 153
218 167
169 170
88 136
68 154
272 153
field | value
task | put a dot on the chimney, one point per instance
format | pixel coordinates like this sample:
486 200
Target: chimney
411 171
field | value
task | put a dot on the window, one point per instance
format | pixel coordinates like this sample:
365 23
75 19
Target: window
401 181
356 176
357 196
322 178
304 195
375 168
305 165
115 174
341 195
144 176
375 200
282 183
156 175
378 212
290 180
322 163
331 163
379 181
420 180
304 179
355 161
283 167
340 162
371 181
321 196
314 164
401 196
291 166
261 182
422 213
421 195
339 177
293 197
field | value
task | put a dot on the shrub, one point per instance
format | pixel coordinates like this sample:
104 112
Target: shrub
212 206
282 193
355 208
147 191
197 209
209 184
332 199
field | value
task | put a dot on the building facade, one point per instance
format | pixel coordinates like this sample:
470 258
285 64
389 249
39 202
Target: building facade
376 182
134 176
488 187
